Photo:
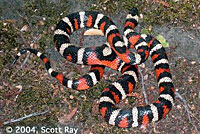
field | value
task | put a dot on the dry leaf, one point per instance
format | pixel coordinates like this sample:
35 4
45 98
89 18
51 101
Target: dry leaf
68 117
1 123
165 4
84 97
142 65
62 89
24 28
10 21
41 23
34 45
19 86
151 88
55 92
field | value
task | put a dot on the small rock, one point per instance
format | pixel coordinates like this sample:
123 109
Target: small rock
193 62
150 28
52 28
146 77
71 97
142 16
190 80
152 88
178 106
104 8
192 107
126 101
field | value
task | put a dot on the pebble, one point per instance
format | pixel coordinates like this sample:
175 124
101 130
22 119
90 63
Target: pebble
192 107
71 97
178 106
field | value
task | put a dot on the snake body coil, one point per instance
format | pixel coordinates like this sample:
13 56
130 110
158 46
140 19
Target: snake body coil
114 54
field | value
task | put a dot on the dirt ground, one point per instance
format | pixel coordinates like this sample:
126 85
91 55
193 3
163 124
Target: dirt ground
27 89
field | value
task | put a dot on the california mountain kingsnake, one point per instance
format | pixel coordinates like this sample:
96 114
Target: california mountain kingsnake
114 54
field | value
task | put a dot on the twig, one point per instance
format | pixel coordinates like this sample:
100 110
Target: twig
187 109
24 41
145 97
25 117
20 90
143 87
24 17
185 105
165 4
26 59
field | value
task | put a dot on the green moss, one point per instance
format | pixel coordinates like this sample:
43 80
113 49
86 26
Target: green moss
45 12
109 6
42 8
181 12
8 41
